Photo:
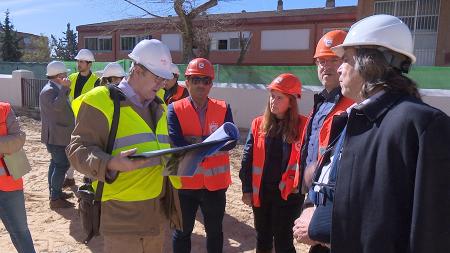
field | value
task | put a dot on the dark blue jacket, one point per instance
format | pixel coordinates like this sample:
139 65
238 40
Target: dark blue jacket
392 192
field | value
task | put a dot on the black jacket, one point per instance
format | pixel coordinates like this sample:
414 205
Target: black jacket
393 192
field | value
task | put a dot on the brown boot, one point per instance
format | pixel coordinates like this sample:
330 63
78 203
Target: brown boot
68 182
60 203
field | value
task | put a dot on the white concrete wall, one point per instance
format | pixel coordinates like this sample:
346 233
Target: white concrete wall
249 101
11 86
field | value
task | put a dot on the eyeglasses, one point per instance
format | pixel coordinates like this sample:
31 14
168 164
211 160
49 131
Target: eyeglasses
200 80
327 61
156 78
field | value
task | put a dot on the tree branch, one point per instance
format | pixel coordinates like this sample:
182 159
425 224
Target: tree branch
204 7
139 7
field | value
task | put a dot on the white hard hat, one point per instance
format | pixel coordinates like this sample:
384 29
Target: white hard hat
380 30
174 69
153 55
113 69
85 55
56 67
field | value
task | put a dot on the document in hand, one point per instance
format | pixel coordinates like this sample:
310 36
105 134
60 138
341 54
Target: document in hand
17 164
185 160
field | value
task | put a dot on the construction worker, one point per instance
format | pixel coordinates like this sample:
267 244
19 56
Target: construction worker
328 105
12 203
191 120
173 91
136 206
269 172
390 170
57 124
112 74
81 82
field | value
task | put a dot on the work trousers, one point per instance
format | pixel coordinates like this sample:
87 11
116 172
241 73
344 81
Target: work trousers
274 220
212 205
133 243
59 164
14 217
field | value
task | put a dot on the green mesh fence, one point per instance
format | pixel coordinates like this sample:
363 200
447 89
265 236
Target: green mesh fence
425 77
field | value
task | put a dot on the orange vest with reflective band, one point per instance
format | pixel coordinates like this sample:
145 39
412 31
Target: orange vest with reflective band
7 182
290 178
214 172
324 134
177 96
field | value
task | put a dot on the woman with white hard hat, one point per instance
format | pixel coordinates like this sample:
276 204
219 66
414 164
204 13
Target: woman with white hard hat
390 191
112 74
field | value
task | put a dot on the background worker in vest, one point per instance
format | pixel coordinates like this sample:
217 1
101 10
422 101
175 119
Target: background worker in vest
136 206
81 82
191 120
12 203
328 104
57 124
269 172
113 73
173 91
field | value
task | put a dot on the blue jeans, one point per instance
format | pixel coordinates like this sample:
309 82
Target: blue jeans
14 217
59 164
212 205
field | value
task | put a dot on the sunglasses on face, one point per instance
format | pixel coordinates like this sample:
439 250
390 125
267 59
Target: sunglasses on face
200 80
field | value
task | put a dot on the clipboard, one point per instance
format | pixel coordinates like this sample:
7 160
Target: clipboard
179 150
17 164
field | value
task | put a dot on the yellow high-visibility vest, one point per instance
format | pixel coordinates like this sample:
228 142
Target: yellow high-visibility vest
89 85
132 132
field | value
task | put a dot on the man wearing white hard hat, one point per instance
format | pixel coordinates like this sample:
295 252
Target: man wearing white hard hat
138 201
390 167
57 125
81 82
112 74
173 91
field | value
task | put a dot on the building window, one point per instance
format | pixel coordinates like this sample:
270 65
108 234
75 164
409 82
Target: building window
295 39
222 45
90 43
173 41
228 40
105 44
422 19
128 42
98 44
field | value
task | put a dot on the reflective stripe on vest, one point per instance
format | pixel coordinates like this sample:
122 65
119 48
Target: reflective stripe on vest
2 171
89 85
214 172
290 178
144 183
7 183
139 138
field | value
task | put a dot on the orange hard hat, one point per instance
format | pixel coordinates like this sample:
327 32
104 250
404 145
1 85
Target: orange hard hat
201 67
287 83
329 40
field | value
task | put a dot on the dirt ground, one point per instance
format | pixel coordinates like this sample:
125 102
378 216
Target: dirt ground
59 231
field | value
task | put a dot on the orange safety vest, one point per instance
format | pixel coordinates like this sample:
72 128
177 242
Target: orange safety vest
177 96
7 182
214 172
324 134
290 178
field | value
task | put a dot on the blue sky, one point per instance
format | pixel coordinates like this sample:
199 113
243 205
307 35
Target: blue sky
51 17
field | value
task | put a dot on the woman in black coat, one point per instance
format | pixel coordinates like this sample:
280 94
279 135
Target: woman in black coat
392 192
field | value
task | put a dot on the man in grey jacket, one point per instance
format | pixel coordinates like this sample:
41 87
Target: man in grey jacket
57 124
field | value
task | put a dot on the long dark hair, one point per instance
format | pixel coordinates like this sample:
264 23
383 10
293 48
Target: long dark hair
288 127
379 74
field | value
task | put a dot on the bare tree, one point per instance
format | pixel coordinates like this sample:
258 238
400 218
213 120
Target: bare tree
244 43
